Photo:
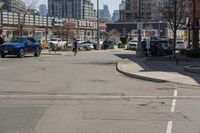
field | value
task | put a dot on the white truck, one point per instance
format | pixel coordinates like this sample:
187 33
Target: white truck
57 43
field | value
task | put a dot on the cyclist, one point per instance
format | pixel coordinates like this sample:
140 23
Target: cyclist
75 46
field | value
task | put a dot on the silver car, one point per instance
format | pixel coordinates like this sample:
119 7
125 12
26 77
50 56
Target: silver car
132 45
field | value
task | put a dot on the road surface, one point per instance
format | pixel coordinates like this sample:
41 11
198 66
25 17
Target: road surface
85 94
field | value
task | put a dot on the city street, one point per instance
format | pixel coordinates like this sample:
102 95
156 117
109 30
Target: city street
86 94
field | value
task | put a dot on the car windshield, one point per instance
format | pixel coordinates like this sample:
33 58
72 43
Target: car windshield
17 39
134 41
54 39
180 43
163 42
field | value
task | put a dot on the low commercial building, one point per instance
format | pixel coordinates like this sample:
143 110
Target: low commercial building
43 27
149 29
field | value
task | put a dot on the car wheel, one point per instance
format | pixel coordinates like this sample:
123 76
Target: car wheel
37 52
3 55
21 53
85 48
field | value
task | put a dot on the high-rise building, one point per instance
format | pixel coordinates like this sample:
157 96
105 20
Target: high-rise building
43 10
77 9
150 10
14 5
115 16
105 13
122 6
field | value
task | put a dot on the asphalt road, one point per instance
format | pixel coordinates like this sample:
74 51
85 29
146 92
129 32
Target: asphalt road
85 94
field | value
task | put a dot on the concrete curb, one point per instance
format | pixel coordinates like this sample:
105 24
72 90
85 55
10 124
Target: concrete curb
51 54
192 69
133 75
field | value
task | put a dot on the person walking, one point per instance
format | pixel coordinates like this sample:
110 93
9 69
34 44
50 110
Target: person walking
75 46
1 40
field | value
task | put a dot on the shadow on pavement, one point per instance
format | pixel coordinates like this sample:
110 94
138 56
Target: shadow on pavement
164 64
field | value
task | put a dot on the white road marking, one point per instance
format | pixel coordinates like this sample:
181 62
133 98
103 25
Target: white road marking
174 101
173 107
169 127
88 97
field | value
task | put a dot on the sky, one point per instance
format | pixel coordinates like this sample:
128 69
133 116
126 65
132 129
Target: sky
112 4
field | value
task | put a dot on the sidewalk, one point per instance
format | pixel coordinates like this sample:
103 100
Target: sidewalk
158 70
47 52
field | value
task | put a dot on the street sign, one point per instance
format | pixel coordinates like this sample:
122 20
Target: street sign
57 22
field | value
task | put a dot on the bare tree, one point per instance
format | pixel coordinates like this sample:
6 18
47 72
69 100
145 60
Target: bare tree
176 15
64 31
22 22
69 27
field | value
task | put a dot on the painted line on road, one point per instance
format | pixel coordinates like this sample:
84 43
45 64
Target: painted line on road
169 127
95 97
173 107
174 101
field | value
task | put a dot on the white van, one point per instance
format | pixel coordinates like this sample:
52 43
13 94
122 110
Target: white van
180 44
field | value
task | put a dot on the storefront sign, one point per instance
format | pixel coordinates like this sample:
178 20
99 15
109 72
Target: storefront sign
86 24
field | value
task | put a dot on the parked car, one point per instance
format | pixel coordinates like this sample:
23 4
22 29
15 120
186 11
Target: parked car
180 44
132 45
108 44
93 42
44 44
161 47
79 41
20 46
85 45
57 43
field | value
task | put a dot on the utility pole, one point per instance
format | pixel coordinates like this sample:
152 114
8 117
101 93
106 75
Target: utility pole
195 24
175 28
139 52
98 31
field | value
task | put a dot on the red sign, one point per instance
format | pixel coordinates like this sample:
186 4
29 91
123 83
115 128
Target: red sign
86 24
103 27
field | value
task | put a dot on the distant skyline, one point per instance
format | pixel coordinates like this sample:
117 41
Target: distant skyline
111 5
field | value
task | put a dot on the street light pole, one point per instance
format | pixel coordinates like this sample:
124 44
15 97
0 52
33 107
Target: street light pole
139 52
98 31
159 29
195 23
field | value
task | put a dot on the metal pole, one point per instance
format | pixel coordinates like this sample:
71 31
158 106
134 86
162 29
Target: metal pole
175 28
98 31
195 23
1 13
139 47
1 19
159 29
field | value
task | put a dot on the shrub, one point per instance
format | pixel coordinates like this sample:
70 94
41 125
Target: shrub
194 53
124 40
183 51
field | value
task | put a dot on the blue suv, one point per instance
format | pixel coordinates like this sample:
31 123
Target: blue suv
20 46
